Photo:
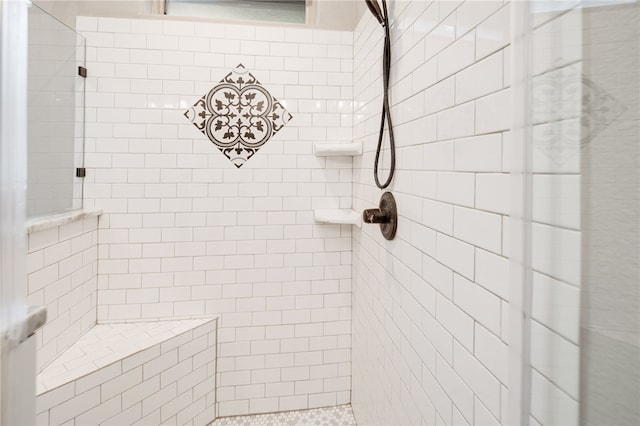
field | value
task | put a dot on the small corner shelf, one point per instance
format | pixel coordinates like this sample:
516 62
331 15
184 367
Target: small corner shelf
338 216
323 149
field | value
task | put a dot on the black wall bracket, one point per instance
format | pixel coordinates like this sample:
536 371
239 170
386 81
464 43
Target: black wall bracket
82 72
81 172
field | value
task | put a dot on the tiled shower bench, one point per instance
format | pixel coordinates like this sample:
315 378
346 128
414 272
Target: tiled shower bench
145 373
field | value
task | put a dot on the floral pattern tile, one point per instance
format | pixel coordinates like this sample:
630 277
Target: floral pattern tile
238 115
341 415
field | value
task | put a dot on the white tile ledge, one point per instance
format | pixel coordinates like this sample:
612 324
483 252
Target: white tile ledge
106 344
338 216
42 223
323 149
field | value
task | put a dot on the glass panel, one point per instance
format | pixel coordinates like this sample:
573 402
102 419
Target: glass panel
585 217
291 11
555 212
55 115
610 320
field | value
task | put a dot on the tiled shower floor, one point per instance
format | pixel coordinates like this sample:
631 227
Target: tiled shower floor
341 415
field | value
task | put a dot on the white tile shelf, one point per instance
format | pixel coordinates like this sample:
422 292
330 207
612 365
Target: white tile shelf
338 216
60 219
324 149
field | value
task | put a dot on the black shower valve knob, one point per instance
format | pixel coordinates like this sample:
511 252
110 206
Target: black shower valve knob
375 216
386 216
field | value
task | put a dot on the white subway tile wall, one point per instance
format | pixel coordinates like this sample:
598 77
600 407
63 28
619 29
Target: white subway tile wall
429 345
62 267
169 382
186 234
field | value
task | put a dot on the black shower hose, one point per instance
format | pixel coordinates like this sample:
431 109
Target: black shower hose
386 109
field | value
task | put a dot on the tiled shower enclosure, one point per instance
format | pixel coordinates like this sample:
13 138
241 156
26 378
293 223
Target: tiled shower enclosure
215 218
200 283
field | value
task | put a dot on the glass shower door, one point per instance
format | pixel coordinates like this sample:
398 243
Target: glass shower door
610 191
55 115
581 292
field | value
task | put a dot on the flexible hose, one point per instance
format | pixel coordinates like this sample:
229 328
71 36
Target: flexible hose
386 109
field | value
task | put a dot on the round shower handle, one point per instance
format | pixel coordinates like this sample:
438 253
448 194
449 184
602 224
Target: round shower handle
386 216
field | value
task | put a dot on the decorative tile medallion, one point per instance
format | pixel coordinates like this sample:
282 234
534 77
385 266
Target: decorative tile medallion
341 415
569 112
238 115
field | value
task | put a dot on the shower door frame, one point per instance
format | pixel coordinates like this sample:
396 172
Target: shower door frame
520 271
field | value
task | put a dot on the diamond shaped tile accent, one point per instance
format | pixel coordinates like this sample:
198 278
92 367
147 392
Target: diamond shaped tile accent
238 115
569 94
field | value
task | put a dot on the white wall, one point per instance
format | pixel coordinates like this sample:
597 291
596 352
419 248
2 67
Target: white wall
429 308
186 234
